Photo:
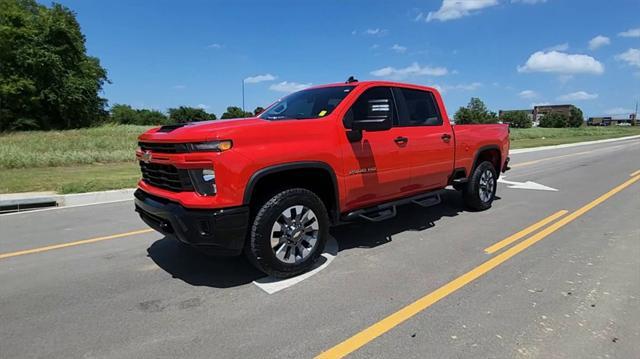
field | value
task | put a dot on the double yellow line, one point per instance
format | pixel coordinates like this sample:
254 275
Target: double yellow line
377 329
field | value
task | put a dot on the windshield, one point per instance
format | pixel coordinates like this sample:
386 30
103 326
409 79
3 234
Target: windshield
312 103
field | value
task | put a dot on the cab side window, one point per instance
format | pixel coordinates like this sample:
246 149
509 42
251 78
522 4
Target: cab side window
360 107
418 108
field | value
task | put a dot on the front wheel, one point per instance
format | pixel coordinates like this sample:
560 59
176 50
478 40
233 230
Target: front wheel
480 191
288 234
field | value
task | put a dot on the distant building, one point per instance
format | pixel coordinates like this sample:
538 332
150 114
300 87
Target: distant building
611 121
539 111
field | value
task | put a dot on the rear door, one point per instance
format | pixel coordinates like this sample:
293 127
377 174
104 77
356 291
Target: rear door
430 141
376 165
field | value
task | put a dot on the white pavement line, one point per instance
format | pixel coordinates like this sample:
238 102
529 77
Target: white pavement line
567 145
272 285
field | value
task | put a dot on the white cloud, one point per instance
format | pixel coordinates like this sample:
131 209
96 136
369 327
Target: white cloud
631 57
560 62
179 87
531 2
631 33
399 48
528 94
259 78
598 42
374 47
410 71
559 47
455 9
618 111
462 87
466 87
286 86
375 32
214 46
578 96
202 106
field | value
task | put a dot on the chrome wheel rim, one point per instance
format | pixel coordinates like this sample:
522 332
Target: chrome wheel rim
487 186
294 235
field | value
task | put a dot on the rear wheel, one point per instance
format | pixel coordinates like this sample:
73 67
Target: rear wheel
288 234
480 191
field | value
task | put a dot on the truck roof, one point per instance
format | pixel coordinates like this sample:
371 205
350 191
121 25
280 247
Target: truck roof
378 83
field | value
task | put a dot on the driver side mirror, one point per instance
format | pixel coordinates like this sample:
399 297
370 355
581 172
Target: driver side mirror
377 118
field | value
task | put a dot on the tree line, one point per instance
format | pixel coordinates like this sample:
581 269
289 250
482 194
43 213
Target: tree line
476 112
125 114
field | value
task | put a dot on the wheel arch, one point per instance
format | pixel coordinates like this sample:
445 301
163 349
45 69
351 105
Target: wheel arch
491 153
289 174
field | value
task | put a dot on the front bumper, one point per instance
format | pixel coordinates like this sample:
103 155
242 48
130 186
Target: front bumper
217 231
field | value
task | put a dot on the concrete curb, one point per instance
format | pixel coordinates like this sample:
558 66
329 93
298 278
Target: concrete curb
16 202
567 145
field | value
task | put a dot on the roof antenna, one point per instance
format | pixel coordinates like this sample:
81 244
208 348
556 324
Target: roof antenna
351 79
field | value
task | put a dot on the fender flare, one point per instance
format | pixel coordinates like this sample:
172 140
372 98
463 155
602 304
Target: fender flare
263 172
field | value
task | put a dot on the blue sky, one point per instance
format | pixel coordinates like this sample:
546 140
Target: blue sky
510 53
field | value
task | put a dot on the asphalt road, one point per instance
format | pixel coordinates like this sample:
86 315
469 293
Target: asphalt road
418 286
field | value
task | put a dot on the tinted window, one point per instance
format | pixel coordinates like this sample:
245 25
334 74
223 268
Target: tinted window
360 107
312 103
420 108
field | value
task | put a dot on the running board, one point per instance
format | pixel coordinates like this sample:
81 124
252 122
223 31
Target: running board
388 210
428 201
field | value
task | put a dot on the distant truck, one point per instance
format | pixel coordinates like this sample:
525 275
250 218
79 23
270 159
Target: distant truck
271 186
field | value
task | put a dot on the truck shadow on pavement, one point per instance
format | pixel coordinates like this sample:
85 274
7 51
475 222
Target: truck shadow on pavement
195 268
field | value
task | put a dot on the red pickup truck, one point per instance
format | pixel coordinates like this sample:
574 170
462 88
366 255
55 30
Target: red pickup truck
271 186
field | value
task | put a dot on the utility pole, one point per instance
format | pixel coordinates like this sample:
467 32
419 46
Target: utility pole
242 95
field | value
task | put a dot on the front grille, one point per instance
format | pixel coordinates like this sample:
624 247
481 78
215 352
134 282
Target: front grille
166 177
163 147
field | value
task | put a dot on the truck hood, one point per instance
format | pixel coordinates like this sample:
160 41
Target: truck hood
202 131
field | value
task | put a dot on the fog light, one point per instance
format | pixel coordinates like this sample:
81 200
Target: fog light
204 181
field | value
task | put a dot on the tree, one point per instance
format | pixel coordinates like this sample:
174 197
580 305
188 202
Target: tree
47 80
575 119
475 112
235 112
517 119
184 114
258 110
554 120
124 114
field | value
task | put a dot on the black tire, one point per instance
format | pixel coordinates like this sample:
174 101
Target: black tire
259 249
478 196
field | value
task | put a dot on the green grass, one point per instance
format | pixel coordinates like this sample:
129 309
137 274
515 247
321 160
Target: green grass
74 179
106 144
533 137
102 158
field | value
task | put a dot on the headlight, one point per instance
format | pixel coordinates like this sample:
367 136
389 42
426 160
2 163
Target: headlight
211 146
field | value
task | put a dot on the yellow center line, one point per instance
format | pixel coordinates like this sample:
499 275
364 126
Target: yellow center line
367 335
635 173
522 164
532 228
71 244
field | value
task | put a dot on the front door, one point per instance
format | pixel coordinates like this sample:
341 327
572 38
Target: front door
376 165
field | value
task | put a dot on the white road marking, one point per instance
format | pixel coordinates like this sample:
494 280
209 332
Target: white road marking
272 285
526 185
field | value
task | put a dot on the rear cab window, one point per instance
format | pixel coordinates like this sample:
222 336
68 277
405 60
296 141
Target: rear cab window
417 108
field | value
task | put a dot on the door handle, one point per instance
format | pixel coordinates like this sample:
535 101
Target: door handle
401 140
446 137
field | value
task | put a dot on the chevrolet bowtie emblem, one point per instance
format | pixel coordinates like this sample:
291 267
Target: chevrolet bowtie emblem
146 157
